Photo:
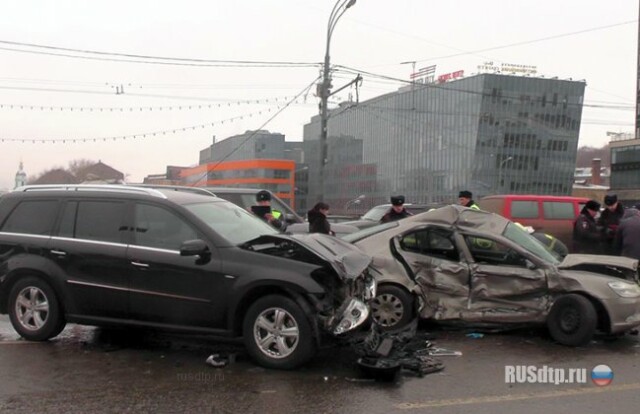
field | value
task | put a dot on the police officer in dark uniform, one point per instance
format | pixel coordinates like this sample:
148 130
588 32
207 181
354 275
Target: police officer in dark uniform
587 237
273 217
397 210
465 198
610 220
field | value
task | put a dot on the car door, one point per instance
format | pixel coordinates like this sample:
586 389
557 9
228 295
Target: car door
432 255
90 249
504 285
167 288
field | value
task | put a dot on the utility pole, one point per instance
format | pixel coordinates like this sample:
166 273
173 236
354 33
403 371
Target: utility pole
339 9
637 132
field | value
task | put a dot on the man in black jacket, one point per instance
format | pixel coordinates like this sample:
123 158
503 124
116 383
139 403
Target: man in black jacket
609 221
627 241
397 210
587 237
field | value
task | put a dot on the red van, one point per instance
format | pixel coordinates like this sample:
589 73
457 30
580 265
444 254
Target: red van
553 215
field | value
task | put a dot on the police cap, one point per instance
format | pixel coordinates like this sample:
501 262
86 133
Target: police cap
263 195
397 200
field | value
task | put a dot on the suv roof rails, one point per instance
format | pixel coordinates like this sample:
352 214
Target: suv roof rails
186 189
91 187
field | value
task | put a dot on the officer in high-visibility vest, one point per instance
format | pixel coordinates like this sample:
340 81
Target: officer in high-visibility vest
465 198
550 243
273 217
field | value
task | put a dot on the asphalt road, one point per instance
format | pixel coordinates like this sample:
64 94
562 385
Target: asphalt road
87 370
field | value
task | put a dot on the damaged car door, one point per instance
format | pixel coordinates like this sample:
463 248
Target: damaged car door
433 261
505 286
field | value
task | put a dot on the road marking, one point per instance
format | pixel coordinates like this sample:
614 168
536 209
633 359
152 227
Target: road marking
518 397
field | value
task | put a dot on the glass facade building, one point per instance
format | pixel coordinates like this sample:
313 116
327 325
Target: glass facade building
625 170
488 133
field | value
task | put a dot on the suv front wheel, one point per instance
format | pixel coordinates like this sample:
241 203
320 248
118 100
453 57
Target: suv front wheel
277 333
34 310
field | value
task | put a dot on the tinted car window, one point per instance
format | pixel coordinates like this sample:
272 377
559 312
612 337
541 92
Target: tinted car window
558 210
524 209
160 228
32 217
231 222
100 220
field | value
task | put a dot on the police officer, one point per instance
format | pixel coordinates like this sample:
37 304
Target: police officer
465 198
551 243
627 241
274 217
397 210
610 220
587 237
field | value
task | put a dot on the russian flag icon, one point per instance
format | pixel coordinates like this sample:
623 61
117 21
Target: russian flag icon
601 375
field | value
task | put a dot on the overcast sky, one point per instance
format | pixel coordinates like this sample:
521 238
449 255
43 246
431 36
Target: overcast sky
103 104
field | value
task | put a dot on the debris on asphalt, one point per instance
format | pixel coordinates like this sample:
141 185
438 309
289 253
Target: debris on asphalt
216 360
475 335
384 354
435 351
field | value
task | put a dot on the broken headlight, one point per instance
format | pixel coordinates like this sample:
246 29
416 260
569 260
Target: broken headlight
625 289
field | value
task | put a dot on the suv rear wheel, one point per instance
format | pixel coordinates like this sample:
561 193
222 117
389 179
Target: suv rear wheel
34 310
277 333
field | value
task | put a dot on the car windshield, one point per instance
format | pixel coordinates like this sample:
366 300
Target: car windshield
231 222
376 213
521 237
370 231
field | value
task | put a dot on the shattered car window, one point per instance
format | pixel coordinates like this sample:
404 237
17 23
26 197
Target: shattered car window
524 239
431 242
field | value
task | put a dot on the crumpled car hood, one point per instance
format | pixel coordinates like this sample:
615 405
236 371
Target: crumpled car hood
574 260
347 260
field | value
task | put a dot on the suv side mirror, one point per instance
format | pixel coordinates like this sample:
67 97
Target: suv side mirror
194 248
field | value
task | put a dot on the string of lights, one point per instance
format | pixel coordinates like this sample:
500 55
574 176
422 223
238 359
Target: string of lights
50 108
135 136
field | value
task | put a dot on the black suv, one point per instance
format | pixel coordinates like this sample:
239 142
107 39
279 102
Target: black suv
175 260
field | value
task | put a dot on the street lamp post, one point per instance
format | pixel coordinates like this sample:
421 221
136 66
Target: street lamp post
500 167
339 9
356 200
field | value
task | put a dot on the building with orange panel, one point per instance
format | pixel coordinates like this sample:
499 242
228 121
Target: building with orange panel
275 175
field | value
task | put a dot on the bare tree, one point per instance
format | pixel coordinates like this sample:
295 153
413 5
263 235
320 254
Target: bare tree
76 166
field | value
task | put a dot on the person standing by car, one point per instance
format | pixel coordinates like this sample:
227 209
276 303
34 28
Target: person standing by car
397 210
609 221
264 211
587 237
318 222
627 241
465 198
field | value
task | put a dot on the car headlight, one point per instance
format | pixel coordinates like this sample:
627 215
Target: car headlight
625 289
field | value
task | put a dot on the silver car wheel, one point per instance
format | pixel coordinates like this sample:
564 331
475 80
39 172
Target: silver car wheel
387 309
32 308
276 333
